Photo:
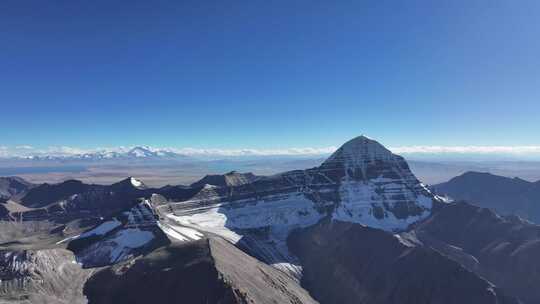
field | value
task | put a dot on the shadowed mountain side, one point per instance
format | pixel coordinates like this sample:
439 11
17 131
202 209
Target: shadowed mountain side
350 263
204 271
504 250
13 186
232 178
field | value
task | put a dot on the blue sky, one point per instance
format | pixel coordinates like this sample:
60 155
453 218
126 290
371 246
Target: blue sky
269 74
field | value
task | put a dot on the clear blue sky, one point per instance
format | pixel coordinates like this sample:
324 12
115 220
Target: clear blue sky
269 74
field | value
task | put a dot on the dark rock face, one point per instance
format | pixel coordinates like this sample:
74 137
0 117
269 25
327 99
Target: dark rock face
226 180
178 193
349 263
504 195
4 212
205 271
163 272
46 194
13 186
363 158
68 209
71 200
502 250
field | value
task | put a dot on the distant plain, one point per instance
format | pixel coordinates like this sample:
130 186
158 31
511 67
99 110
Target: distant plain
160 173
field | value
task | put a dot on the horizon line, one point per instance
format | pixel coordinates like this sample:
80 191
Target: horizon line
23 151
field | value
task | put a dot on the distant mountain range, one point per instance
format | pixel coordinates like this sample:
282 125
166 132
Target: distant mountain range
139 152
508 196
358 228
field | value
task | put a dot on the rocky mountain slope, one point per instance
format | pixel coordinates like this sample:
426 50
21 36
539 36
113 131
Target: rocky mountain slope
345 231
48 276
504 250
51 213
349 263
13 186
205 271
127 234
502 194
230 179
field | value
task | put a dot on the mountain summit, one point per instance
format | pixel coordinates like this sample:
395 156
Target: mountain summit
363 158
141 152
359 152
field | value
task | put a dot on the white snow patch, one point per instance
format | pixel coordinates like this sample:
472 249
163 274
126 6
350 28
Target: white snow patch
208 221
128 239
292 269
67 239
403 241
191 233
135 182
278 214
358 199
115 248
292 210
180 233
102 229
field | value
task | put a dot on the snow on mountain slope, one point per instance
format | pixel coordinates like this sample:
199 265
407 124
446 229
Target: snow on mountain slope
141 152
128 234
134 153
102 229
362 182
276 211
262 225
370 205
377 188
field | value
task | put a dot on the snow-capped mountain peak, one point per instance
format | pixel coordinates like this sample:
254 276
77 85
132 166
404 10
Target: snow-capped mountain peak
360 151
137 152
141 152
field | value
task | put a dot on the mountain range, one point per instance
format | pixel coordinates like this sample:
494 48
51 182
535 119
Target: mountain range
138 152
358 228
